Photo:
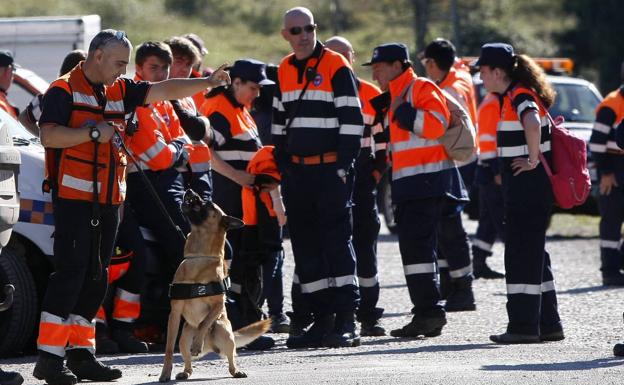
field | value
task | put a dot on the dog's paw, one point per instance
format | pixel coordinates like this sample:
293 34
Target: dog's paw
240 374
183 376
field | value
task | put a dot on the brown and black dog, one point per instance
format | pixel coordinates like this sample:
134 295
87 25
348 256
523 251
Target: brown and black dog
207 328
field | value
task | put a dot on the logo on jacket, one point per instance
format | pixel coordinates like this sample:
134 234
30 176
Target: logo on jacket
318 79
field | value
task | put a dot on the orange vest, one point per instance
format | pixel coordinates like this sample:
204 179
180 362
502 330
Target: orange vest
417 151
5 105
242 126
614 101
511 141
262 163
73 176
488 117
366 92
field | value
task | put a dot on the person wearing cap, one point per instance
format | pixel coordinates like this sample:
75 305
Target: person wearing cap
423 179
235 143
453 247
82 127
523 136
370 165
7 69
317 128
31 114
606 146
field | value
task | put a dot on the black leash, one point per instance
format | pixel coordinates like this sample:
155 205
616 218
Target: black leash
149 185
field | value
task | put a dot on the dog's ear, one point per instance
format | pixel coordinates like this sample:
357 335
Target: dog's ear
230 223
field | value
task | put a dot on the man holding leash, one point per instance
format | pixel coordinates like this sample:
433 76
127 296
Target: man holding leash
86 169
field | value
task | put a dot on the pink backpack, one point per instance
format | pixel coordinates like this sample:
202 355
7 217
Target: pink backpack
569 176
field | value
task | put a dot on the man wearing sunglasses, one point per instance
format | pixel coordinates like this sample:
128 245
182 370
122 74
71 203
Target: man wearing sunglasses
86 172
7 69
317 126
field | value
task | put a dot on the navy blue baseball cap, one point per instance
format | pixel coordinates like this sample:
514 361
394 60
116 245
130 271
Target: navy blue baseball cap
250 70
499 55
388 53
6 58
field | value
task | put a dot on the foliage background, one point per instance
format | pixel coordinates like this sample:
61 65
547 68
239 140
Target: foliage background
586 30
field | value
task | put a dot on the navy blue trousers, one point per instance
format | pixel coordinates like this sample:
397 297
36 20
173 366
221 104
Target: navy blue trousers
491 219
366 227
611 219
531 295
319 216
417 222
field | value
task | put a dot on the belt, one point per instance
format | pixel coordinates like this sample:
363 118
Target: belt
328 157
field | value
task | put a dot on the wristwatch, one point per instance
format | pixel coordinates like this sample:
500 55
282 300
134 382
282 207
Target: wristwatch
341 172
94 133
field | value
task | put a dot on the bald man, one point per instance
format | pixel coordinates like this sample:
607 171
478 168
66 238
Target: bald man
317 127
369 167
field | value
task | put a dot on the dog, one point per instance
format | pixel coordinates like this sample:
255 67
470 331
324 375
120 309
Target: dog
207 328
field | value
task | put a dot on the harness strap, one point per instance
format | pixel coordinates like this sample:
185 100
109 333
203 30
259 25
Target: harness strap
196 290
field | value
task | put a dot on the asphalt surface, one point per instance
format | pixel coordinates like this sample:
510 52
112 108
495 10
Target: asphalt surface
463 354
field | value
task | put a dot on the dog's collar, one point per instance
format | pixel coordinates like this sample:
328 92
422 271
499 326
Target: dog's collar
196 290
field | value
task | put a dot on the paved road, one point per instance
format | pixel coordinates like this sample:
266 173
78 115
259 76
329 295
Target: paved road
592 317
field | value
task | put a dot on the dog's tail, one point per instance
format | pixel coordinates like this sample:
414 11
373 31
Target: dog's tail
245 335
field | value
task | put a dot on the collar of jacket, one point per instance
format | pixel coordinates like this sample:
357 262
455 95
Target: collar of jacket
398 84
621 90
315 54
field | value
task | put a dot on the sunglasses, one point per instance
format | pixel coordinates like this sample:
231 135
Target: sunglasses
307 28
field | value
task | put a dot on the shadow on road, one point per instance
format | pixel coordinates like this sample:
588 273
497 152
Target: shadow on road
558 366
191 380
588 289
412 350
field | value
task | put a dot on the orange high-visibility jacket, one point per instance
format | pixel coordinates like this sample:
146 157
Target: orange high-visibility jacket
261 163
152 144
373 136
511 141
602 143
461 87
488 118
199 97
236 134
72 175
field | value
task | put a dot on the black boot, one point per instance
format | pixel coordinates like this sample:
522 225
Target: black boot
313 337
428 326
128 343
612 278
10 378
51 369
344 334
482 270
461 297
103 343
84 365
298 323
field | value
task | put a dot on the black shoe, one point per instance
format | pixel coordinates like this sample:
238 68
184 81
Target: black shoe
313 337
461 297
513 338
372 329
105 345
298 324
344 334
128 343
552 336
50 369
486 272
280 323
618 350
421 326
613 279
260 343
10 378
84 365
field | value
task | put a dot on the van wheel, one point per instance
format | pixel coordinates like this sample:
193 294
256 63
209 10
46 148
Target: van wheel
18 322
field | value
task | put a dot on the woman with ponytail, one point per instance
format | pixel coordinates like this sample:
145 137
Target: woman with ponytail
523 134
